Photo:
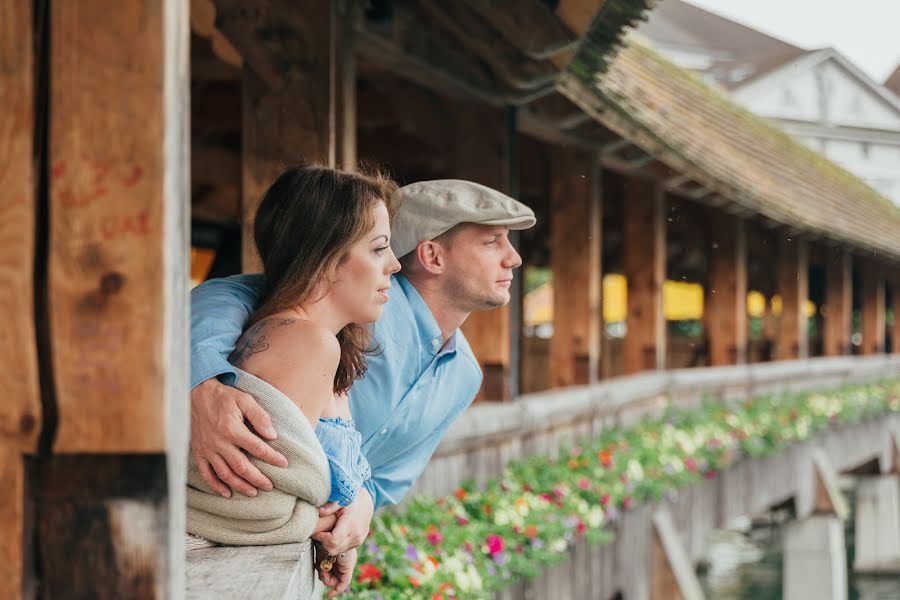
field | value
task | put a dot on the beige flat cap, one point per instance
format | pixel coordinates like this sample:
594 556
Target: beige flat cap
429 208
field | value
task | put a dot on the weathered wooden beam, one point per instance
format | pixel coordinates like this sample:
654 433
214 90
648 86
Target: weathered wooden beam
873 307
644 346
792 340
20 410
726 292
481 154
575 254
838 304
529 25
308 113
672 575
117 291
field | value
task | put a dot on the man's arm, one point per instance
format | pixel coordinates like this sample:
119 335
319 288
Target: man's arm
219 309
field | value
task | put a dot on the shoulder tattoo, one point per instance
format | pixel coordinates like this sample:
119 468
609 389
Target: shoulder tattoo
253 341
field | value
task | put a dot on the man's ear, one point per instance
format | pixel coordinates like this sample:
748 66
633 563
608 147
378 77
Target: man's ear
431 256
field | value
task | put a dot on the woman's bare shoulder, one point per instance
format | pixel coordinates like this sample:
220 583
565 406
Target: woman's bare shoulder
286 341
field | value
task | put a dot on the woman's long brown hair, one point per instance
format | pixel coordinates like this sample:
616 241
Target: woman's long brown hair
306 224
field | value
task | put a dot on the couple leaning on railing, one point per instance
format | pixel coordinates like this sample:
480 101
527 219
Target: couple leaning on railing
318 396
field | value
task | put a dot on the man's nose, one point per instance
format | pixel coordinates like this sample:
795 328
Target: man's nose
512 259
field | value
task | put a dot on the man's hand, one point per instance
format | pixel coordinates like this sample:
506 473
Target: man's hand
218 434
352 525
341 574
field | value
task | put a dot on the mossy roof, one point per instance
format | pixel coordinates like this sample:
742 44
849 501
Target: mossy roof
695 129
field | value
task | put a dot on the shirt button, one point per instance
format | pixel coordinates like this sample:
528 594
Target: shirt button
383 431
435 343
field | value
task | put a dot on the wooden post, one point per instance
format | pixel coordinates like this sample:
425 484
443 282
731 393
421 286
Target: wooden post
726 294
299 91
575 259
644 346
481 155
873 308
792 340
111 499
20 410
838 305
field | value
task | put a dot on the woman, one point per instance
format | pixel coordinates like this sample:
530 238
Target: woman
323 236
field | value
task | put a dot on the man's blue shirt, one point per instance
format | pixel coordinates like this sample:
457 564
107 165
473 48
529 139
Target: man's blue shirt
415 386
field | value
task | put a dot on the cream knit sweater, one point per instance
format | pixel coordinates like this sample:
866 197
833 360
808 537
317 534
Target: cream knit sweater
288 513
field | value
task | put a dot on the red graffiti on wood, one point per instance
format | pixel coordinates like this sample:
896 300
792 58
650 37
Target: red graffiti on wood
104 173
116 226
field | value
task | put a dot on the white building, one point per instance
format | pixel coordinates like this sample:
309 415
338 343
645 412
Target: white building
819 96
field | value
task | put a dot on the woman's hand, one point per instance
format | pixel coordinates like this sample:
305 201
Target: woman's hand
340 576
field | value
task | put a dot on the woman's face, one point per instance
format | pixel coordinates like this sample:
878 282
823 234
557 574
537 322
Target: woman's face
363 278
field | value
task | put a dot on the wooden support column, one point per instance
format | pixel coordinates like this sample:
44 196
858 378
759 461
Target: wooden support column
482 155
575 225
20 409
726 294
873 308
111 497
838 305
644 346
299 91
792 339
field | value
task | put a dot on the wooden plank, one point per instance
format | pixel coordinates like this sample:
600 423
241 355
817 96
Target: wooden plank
726 293
672 576
20 410
298 93
278 572
838 305
644 346
575 255
118 263
792 340
482 155
102 527
873 308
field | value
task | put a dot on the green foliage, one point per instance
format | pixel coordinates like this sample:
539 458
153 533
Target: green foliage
482 538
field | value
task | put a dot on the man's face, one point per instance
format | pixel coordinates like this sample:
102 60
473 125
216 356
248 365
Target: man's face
480 263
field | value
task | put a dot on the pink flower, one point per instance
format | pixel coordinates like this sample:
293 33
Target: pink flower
690 464
604 499
584 483
462 520
627 502
494 543
434 536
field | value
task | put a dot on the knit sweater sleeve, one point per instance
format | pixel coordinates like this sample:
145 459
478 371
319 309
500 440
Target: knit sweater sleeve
288 513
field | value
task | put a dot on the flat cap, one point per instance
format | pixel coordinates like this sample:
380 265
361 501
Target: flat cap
429 208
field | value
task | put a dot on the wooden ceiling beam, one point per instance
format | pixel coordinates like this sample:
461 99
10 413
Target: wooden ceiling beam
529 25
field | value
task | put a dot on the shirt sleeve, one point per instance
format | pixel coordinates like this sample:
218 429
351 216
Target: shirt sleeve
219 310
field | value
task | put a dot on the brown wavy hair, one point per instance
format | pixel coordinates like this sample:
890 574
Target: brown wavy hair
307 221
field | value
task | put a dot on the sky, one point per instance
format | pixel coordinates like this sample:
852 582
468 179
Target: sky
865 31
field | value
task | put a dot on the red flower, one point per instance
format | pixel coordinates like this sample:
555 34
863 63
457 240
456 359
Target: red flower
462 520
605 458
369 573
434 536
531 532
604 499
460 494
710 474
414 581
494 543
581 527
627 502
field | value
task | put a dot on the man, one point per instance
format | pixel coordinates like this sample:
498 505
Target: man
452 239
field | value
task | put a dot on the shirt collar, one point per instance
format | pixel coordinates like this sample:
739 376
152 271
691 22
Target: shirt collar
426 324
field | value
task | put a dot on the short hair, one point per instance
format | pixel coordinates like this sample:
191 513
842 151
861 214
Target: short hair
445 239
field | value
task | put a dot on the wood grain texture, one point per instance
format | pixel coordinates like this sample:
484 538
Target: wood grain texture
792 340
838 305
644 346
117 193
726 293
20 409
873 308
575 227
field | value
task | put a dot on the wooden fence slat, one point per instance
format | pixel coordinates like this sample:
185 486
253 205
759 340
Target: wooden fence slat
20 409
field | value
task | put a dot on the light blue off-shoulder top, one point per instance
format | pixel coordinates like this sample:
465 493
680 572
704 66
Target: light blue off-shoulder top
342 444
